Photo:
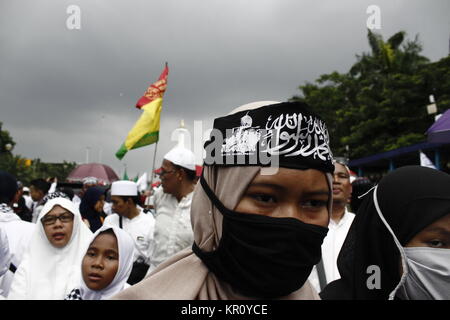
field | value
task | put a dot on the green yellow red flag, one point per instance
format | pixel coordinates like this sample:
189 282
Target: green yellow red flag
146 129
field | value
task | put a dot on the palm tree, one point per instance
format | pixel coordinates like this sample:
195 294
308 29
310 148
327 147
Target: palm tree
389 56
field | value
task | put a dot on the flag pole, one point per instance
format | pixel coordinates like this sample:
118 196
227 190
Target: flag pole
153 165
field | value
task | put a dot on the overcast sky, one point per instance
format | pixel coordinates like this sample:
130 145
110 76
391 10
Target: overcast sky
70 94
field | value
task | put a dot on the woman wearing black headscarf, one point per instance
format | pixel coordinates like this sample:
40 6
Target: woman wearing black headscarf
397 246
91 207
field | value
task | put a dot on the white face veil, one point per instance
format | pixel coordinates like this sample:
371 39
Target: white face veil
426 271
125 245
47 272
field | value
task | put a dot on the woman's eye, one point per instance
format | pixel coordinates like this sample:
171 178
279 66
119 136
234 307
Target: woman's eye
90 254
436 243
314 204
264 198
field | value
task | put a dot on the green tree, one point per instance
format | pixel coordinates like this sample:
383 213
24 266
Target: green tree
380 103
6 146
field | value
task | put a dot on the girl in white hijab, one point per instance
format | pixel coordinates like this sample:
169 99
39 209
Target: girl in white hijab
106 265
50 266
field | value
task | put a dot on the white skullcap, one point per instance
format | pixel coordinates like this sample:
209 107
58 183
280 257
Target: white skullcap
181 157
124 188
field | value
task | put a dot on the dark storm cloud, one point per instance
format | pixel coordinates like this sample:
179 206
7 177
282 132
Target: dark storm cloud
67 94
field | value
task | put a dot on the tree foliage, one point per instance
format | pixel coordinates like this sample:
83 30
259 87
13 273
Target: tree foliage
24 170
380 103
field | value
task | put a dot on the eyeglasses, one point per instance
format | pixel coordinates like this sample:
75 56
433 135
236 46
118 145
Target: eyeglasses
164 172
64 218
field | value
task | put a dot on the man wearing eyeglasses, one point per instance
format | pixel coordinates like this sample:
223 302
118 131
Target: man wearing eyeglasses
172 202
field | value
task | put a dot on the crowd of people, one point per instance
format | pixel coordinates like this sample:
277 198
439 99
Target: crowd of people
240 230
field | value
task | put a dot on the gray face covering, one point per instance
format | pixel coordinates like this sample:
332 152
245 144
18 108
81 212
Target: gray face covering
426 271
428 276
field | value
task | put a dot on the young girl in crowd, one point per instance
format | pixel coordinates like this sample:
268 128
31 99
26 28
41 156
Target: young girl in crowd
398 245
257 231
106 265
48 269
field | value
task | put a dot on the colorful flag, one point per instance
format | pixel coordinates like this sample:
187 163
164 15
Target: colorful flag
146 129
142 182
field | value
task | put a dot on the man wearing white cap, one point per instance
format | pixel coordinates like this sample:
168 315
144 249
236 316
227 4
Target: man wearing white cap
27 197
173 230
131 218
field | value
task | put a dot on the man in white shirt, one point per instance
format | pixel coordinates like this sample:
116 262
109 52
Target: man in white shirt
340 222
27 197
18 231
131 218
38 190
172 204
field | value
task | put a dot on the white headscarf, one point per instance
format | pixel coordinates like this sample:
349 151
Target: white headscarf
125 245
47 272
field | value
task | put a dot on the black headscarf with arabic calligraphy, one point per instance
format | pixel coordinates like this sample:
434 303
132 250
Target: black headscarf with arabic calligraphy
288 132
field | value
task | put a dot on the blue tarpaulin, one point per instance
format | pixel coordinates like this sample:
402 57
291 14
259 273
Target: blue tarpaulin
439 132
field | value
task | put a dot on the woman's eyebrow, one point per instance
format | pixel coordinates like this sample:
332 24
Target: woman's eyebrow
112 251
317 193
438 230
267 185
57 214
320 192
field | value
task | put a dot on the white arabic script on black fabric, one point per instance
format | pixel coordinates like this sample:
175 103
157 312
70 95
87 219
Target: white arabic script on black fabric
287 135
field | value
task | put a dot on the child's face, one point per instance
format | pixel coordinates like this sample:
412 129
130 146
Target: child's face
101 262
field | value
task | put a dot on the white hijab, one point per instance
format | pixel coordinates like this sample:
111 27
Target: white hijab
47 272
125 245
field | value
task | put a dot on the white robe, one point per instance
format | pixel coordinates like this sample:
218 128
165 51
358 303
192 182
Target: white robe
19 233
141 229
47 272
5 258
173 229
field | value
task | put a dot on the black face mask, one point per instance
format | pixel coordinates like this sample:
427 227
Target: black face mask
261 256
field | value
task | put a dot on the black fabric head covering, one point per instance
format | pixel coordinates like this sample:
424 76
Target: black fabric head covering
54 195
410 198
8 187
87 204
289 131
